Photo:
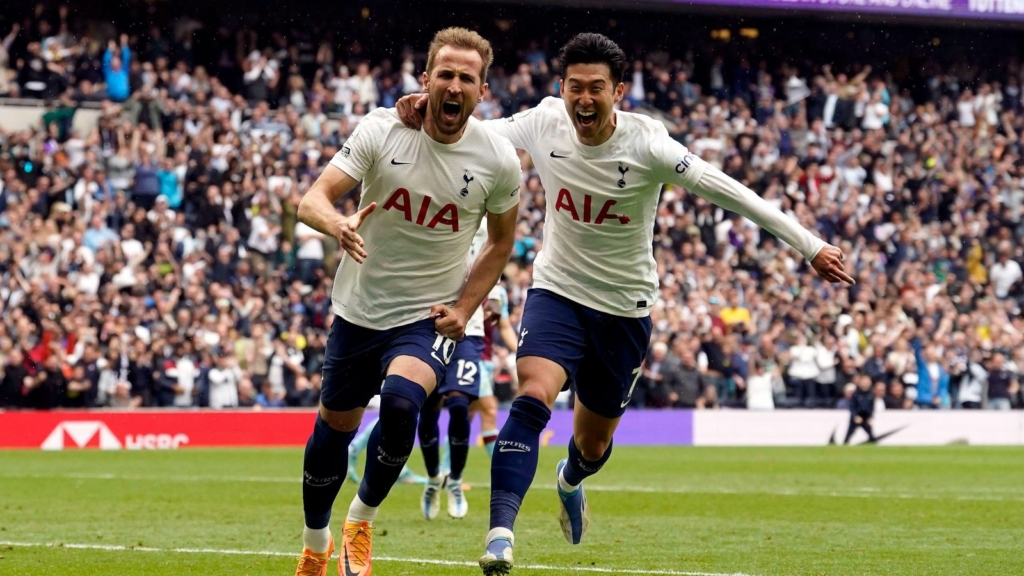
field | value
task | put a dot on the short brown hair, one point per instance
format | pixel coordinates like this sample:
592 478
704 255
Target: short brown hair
461 38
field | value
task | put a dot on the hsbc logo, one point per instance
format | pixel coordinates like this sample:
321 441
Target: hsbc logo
81 434
95 434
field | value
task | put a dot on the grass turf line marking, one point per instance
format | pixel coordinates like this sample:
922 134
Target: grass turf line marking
114 548
1009 495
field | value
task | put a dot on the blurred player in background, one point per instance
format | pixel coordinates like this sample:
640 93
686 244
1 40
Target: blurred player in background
862 409
460 388
401 295
496 319
587 318
496 313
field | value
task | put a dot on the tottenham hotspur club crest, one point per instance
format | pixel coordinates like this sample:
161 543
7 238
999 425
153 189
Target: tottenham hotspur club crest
465 190
623 170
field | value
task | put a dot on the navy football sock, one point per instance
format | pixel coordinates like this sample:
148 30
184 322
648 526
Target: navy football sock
577 467
428 434
515 459
458 432
391 441
323 471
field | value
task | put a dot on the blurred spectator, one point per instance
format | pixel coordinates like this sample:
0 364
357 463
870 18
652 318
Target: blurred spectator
932 378
1002 384
652 377
681 382
116 61
971 393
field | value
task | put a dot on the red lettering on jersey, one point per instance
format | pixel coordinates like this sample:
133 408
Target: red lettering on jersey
423 210
606 213
565 202
399 200
452 220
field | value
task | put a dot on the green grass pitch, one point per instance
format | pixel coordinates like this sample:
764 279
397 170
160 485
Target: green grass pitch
832 510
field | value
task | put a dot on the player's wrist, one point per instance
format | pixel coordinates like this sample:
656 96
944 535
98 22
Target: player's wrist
463 308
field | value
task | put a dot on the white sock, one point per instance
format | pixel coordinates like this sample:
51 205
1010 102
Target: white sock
496 533
565 486
316 539
439 479
360 512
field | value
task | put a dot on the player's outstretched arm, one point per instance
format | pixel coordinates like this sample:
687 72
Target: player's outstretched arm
718 187
501 236
317 211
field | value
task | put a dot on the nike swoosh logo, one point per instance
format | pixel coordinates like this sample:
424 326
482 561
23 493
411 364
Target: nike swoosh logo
434 355
553 155
879 437
394 163
348 568
505 449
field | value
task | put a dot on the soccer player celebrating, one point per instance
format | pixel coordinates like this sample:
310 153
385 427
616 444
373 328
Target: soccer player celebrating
587 318
401 295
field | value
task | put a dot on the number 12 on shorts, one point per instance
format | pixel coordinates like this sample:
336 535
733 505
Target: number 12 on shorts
636 377
466 373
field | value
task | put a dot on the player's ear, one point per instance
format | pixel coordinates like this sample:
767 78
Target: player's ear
483 90
620 91
426 82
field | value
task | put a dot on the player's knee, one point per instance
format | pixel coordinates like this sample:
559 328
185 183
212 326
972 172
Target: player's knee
539 391
346 421
457 406
592 447
400 403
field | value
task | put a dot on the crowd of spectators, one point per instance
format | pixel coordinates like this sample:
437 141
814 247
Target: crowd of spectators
155 259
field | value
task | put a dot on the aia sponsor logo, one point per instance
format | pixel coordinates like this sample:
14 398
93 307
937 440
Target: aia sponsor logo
96 434
447 215
585 213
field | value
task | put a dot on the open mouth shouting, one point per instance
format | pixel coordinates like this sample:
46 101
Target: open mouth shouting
450 110
586 119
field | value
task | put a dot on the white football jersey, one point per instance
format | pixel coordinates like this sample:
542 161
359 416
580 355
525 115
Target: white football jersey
602 200
431 198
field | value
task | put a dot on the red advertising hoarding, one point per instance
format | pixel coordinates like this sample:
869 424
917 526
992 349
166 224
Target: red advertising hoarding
142 430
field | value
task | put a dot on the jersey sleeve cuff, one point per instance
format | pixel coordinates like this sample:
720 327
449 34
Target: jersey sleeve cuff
347 168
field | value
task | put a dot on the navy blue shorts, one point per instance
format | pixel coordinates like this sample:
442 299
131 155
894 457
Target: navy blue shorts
464 369
357 359
602 354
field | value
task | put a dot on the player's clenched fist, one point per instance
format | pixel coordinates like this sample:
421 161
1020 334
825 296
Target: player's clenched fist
449 322
350 240
410 110
828 263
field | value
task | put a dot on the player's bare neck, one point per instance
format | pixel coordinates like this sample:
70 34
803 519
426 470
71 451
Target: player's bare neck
430 128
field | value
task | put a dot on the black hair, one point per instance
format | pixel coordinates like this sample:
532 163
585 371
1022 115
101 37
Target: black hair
592 48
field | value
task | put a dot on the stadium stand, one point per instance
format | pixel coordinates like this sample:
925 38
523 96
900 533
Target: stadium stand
151 255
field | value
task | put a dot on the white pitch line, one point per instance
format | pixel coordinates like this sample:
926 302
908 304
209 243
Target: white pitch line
987 495
432 561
